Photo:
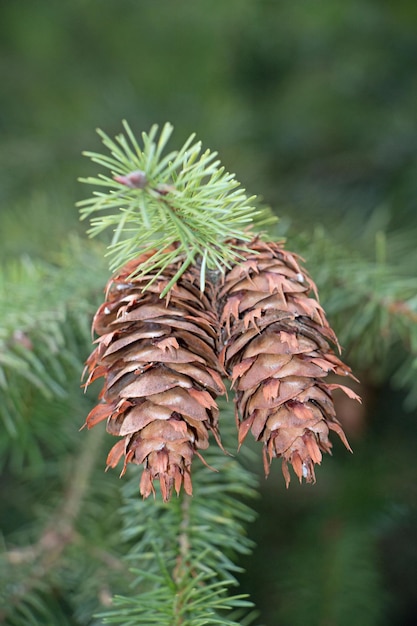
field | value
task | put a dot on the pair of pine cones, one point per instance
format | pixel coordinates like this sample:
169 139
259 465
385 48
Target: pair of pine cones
164 361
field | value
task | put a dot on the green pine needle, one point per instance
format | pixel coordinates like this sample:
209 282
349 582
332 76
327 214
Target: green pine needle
153 201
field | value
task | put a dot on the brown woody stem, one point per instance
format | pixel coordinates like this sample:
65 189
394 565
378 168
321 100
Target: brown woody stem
183 556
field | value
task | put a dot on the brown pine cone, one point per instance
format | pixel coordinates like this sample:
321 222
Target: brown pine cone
275 346
162 375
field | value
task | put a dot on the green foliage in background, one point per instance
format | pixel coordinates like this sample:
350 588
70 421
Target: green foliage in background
314 107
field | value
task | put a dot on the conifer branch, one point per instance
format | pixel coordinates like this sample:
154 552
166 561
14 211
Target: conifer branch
163 364
45 554
184 198
44 333
196 541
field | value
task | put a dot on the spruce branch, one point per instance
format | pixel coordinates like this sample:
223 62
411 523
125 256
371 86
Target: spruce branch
183 555
44 332
153 200
44 555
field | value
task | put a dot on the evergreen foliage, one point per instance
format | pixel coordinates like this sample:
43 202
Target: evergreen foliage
315 108
44 330
45 338
184 552
184 197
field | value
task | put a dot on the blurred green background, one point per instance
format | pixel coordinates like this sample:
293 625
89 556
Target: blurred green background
314 106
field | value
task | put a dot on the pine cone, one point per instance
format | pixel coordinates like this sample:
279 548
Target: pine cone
276 348
158 358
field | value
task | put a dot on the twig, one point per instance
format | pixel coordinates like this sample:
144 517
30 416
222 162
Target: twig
183 556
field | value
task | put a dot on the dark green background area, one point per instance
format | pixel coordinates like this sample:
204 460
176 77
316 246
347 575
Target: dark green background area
314 105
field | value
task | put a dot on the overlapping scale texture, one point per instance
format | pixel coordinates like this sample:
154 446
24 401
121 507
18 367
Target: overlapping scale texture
162 374
276 347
